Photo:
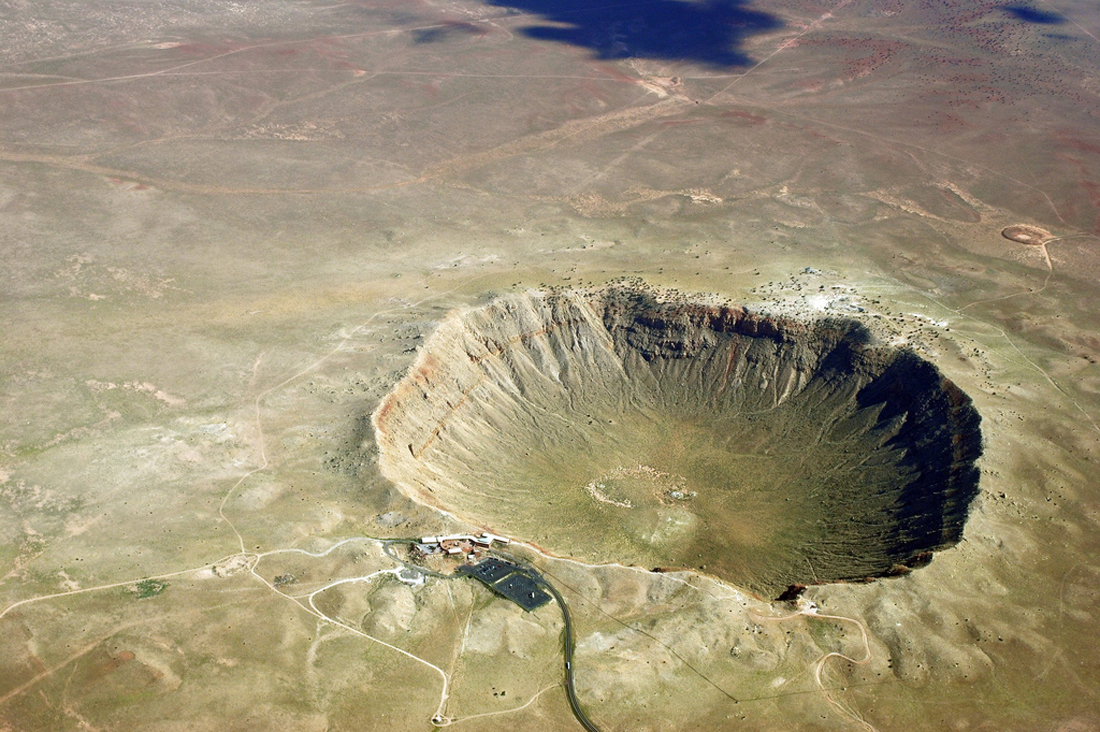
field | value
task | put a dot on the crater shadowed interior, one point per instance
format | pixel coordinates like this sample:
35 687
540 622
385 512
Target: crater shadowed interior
615 425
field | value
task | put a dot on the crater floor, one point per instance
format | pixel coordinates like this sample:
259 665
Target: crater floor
617 425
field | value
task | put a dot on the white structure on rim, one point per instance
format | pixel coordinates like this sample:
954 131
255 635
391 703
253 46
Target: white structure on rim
486 539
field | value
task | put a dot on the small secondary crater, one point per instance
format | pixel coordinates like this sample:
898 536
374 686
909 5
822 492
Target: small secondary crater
619 425
1026 234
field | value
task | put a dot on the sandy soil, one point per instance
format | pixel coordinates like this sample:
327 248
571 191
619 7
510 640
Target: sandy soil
228 227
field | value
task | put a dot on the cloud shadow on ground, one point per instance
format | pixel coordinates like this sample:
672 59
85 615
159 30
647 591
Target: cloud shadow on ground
1033 15
709 32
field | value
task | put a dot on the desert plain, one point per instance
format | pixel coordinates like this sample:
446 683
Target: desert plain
231 229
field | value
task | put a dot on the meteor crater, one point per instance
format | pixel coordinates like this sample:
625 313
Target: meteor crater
618 424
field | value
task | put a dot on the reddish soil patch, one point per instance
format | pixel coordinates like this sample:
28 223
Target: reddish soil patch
103 667
752 119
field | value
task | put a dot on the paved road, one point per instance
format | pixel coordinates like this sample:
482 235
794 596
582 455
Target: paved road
569 641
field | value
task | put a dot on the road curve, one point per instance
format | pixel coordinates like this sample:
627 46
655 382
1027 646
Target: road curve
569 641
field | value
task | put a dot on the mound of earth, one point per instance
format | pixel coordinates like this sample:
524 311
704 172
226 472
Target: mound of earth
1026 234
616 425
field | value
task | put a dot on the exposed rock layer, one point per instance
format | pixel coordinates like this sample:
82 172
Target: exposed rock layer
616 426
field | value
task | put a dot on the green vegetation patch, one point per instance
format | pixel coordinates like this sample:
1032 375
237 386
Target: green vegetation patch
147 588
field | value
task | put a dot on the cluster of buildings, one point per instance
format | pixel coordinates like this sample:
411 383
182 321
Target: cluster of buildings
521 585
459 545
